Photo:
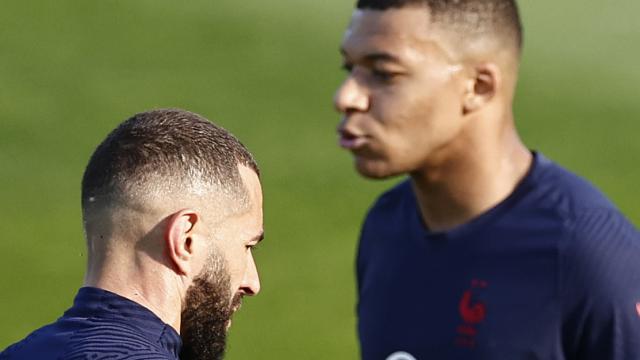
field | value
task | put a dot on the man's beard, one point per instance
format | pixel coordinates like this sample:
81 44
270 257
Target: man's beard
207 312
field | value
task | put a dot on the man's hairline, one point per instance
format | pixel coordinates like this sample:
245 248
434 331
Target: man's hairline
443 38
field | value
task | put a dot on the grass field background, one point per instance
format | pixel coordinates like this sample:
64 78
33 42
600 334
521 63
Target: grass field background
71 70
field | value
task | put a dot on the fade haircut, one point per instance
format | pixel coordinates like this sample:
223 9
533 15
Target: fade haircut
161 152
468 18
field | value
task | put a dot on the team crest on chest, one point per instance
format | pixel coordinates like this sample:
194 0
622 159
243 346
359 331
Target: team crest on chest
472 312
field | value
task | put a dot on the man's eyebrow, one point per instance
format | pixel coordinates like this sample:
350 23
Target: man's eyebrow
373 57
381 57
258 238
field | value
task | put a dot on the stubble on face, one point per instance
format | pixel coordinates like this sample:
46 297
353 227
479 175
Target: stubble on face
207 313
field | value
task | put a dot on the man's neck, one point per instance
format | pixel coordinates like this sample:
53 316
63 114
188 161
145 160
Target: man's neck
467 184
147 288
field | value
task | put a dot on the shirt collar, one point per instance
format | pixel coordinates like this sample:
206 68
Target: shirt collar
98 303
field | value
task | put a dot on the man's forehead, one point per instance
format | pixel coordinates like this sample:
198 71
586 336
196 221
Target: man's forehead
403 23
254 191
391 31
252 184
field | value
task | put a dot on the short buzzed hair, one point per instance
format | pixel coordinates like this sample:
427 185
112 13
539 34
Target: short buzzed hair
161 151
470 18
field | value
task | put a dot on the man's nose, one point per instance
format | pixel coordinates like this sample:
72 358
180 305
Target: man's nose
350 97
251 281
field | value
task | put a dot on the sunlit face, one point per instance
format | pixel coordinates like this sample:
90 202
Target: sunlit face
401 100
228 274
238 234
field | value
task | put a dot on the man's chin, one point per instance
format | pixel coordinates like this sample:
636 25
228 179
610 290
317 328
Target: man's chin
205 316
374 169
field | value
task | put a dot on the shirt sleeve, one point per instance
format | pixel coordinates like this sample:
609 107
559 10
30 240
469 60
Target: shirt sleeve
600 287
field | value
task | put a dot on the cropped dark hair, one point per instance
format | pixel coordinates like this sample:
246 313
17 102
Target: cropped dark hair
470 17
169 146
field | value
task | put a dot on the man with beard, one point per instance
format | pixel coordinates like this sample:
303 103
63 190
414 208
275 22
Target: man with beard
172 207
487 250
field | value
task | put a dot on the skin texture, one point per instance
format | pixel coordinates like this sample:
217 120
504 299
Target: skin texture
157 253
419 101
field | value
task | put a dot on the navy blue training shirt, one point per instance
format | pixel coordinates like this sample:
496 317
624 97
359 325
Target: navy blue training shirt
100 325
550 273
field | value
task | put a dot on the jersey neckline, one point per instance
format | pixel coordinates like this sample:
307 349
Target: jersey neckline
489 216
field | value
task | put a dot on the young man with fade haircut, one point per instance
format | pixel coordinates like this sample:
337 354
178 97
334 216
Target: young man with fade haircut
487 250
172 207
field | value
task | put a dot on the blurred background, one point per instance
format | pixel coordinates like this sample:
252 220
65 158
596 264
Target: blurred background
71 70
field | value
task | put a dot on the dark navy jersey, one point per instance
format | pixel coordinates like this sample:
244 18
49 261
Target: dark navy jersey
552 272
100 325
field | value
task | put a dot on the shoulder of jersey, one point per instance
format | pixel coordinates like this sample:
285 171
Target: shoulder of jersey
570 192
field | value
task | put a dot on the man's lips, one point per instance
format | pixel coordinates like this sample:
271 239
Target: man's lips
236 303
350 141
235 308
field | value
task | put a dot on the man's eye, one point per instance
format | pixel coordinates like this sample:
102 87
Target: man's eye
252 247
347 67
382 75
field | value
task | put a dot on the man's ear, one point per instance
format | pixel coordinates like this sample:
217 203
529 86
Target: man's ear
179 240
482 86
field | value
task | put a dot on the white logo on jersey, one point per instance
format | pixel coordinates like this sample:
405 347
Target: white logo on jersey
400 355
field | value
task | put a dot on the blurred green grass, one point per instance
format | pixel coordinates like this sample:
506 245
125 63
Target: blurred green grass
71 70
